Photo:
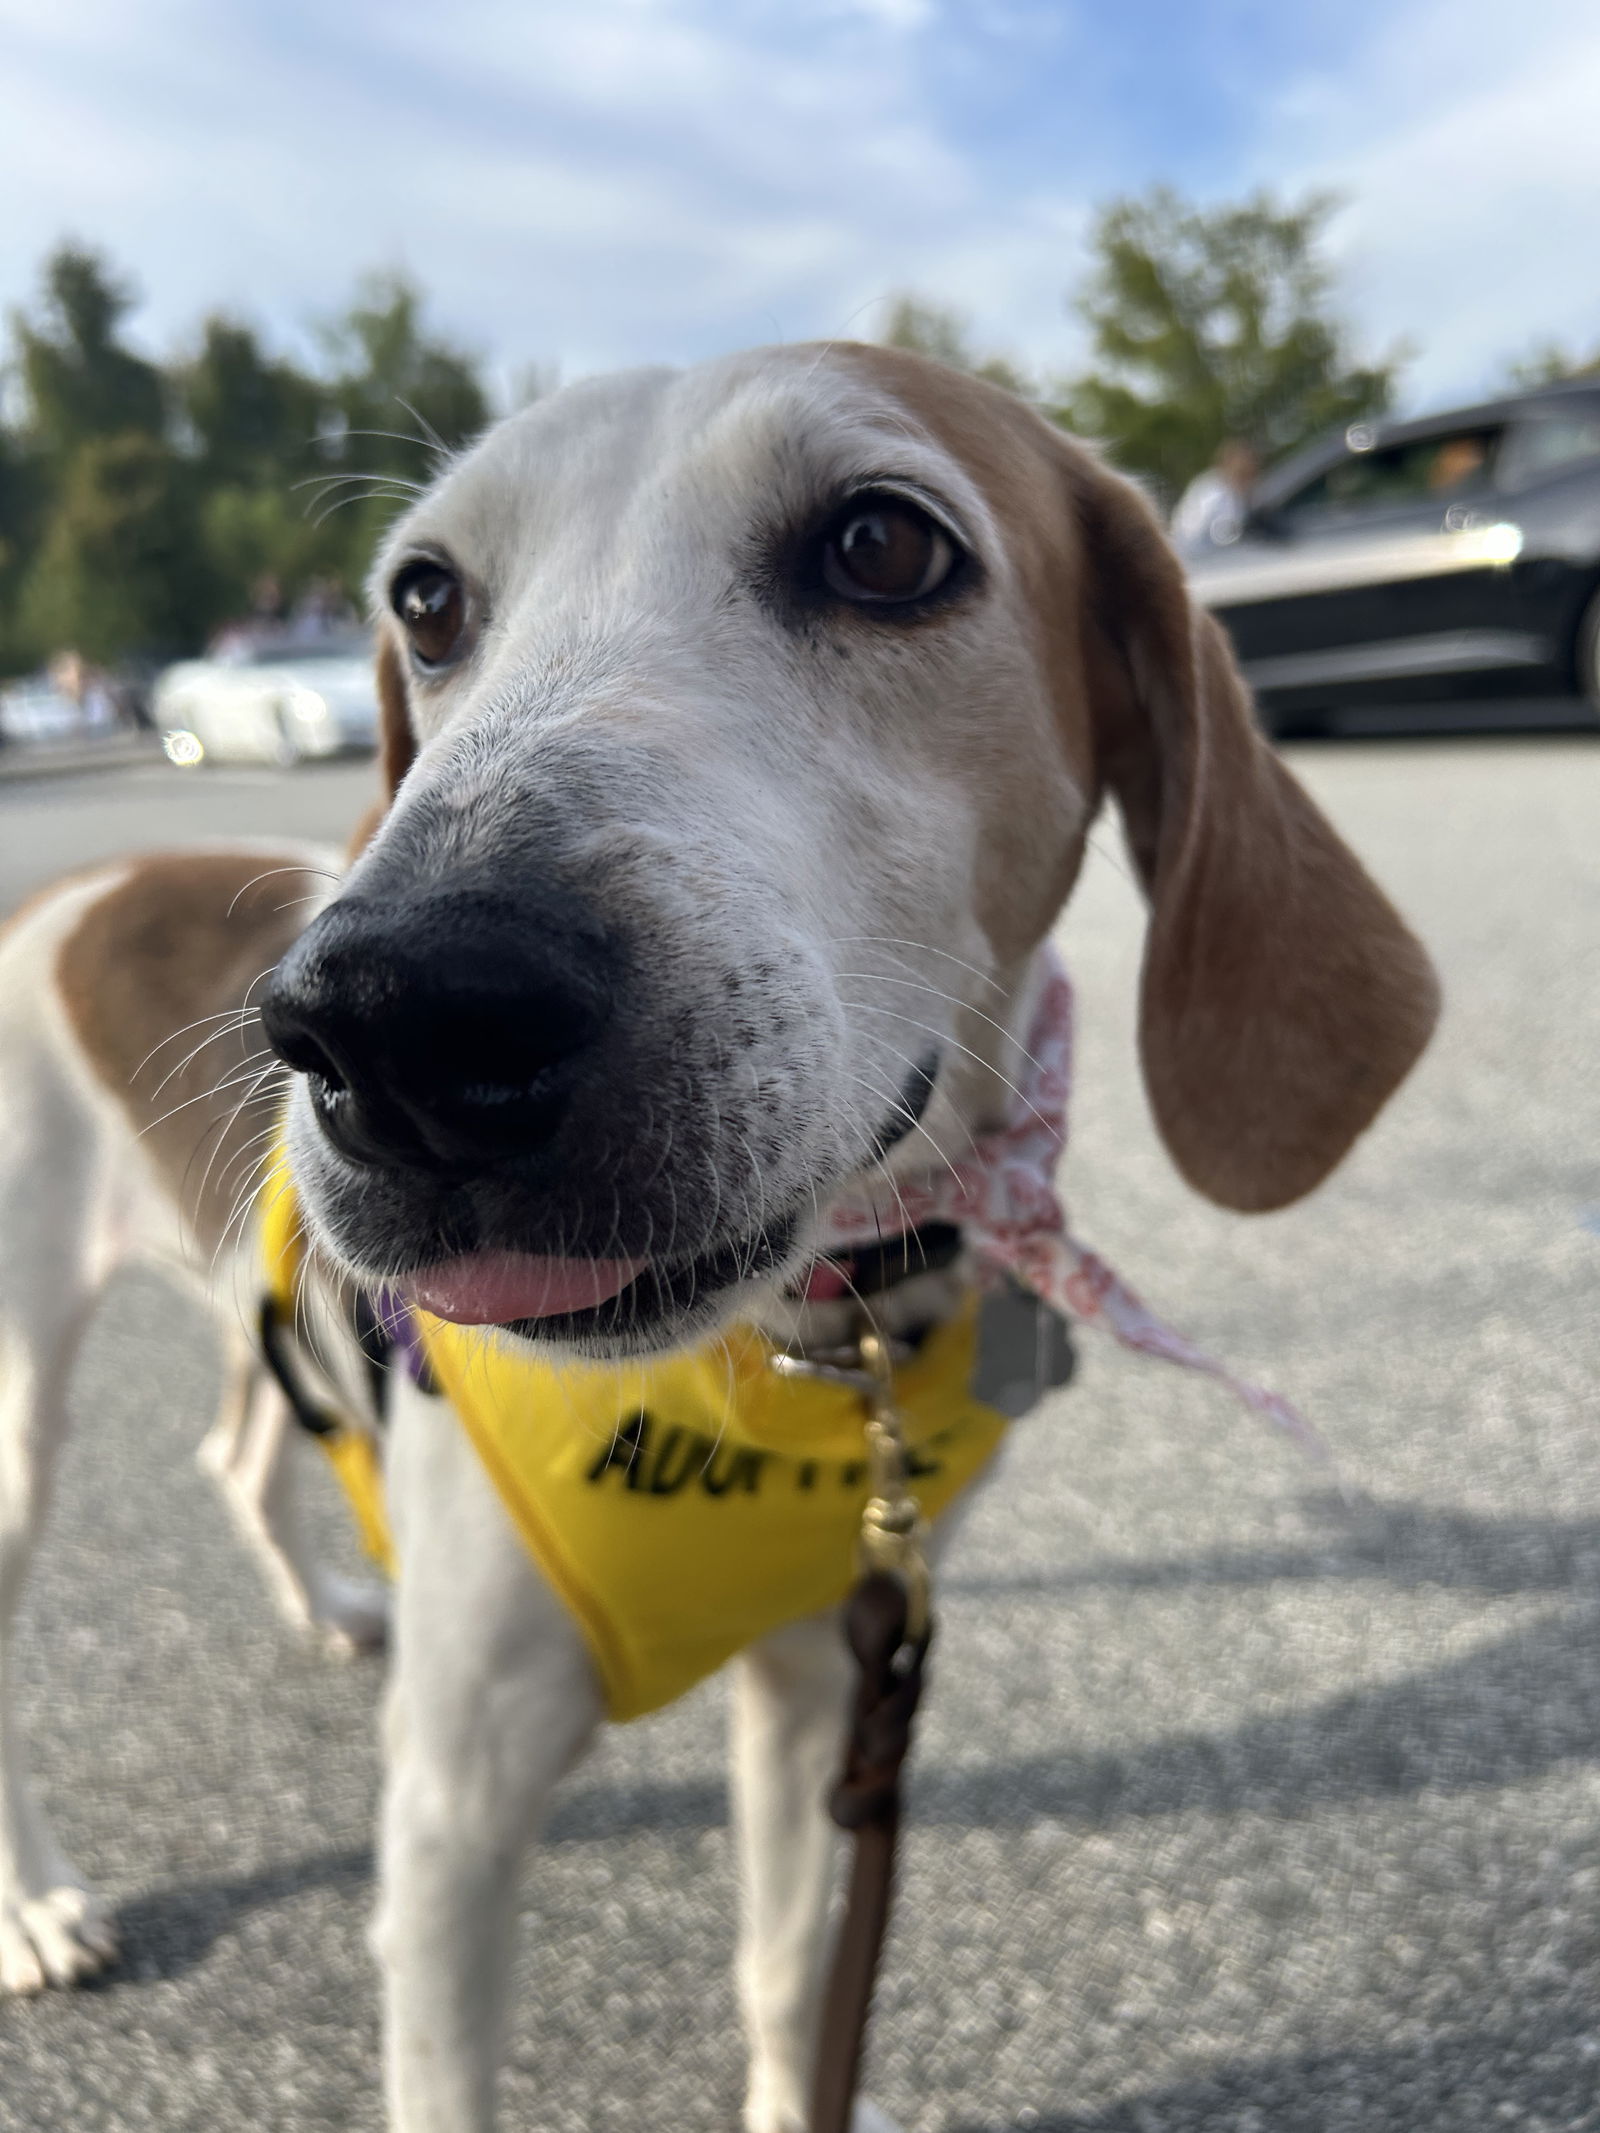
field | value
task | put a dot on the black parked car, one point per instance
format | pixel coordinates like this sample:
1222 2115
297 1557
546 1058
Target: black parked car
1453 557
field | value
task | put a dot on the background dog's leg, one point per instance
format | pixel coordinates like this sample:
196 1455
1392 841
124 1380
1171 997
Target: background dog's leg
52 1930
492 1698
791 1693
253 1453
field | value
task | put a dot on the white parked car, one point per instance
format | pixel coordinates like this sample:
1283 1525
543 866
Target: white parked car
271 701
39 711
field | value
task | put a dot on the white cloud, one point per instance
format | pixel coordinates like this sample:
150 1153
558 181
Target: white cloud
1467 144
593 185
620 180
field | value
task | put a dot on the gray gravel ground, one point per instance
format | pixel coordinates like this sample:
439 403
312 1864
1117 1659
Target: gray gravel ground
1239 1806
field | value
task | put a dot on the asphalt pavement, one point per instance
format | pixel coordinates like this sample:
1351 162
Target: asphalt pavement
1248 1800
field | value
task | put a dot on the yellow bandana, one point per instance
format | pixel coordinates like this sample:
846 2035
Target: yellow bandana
684 1506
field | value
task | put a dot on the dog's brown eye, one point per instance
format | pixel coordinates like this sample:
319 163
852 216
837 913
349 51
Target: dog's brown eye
885 549
429 601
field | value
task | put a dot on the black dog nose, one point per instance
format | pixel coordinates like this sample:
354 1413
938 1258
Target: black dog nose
442 1032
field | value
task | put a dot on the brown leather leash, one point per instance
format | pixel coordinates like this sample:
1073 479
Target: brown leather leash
866 1802
889 1627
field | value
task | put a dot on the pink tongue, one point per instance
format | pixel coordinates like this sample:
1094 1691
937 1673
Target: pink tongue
492 1288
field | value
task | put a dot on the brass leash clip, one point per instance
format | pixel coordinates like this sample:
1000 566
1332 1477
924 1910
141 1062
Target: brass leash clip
887 1626
892 1530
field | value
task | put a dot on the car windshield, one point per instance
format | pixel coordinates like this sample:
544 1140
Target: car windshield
1428 470
1547 443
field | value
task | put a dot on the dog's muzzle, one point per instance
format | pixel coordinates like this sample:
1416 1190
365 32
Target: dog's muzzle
497 1124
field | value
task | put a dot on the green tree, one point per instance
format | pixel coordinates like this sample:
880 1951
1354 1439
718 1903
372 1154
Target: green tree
1550 363
103 526
402 400
1208 323
22 506
300 474
256 427
940 331
139 505
79 381
120 570
250 415
397 389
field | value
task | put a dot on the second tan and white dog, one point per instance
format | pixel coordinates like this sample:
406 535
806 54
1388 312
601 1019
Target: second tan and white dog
743 730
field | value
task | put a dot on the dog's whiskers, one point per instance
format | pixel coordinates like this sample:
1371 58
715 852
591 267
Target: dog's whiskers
267 874
891 940
868 1007
239 1020
220 1088
266 1075
899 1109
226 1014
964 1007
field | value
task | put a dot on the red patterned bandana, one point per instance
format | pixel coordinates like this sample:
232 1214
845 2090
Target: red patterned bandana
1002 1195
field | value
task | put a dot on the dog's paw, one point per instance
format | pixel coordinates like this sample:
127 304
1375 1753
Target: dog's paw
351 1617
57 1938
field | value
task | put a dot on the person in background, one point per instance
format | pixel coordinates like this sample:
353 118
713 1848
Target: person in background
1456 465
1211 511
265 622
321 614
83 685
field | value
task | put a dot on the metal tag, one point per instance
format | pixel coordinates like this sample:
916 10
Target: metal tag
1024 1350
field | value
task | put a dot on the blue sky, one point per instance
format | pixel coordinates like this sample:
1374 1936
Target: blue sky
586 183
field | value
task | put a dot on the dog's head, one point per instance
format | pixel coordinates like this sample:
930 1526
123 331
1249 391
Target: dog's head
745 727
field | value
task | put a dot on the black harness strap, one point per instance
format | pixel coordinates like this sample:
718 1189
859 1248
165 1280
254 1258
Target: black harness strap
276 1352
873 1268
377 1348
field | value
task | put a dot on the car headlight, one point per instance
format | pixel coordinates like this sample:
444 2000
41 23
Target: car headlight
182 747
307 705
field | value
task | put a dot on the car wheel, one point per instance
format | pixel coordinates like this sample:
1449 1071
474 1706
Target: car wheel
1311 725
1588 655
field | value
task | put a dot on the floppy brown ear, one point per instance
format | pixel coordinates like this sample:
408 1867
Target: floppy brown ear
1283 998
396 743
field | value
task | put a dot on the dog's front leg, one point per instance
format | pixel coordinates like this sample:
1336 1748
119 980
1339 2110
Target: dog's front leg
790 1695
252 1453
790 1703
492 1698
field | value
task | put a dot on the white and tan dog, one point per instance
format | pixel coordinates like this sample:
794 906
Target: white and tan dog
744 729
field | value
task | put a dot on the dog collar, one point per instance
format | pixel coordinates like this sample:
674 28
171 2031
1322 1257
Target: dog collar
876 1268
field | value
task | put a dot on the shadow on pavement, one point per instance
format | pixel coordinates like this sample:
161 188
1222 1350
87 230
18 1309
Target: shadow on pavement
1402 1544
1540 2068
1508 1710
1511 1710
167 1931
